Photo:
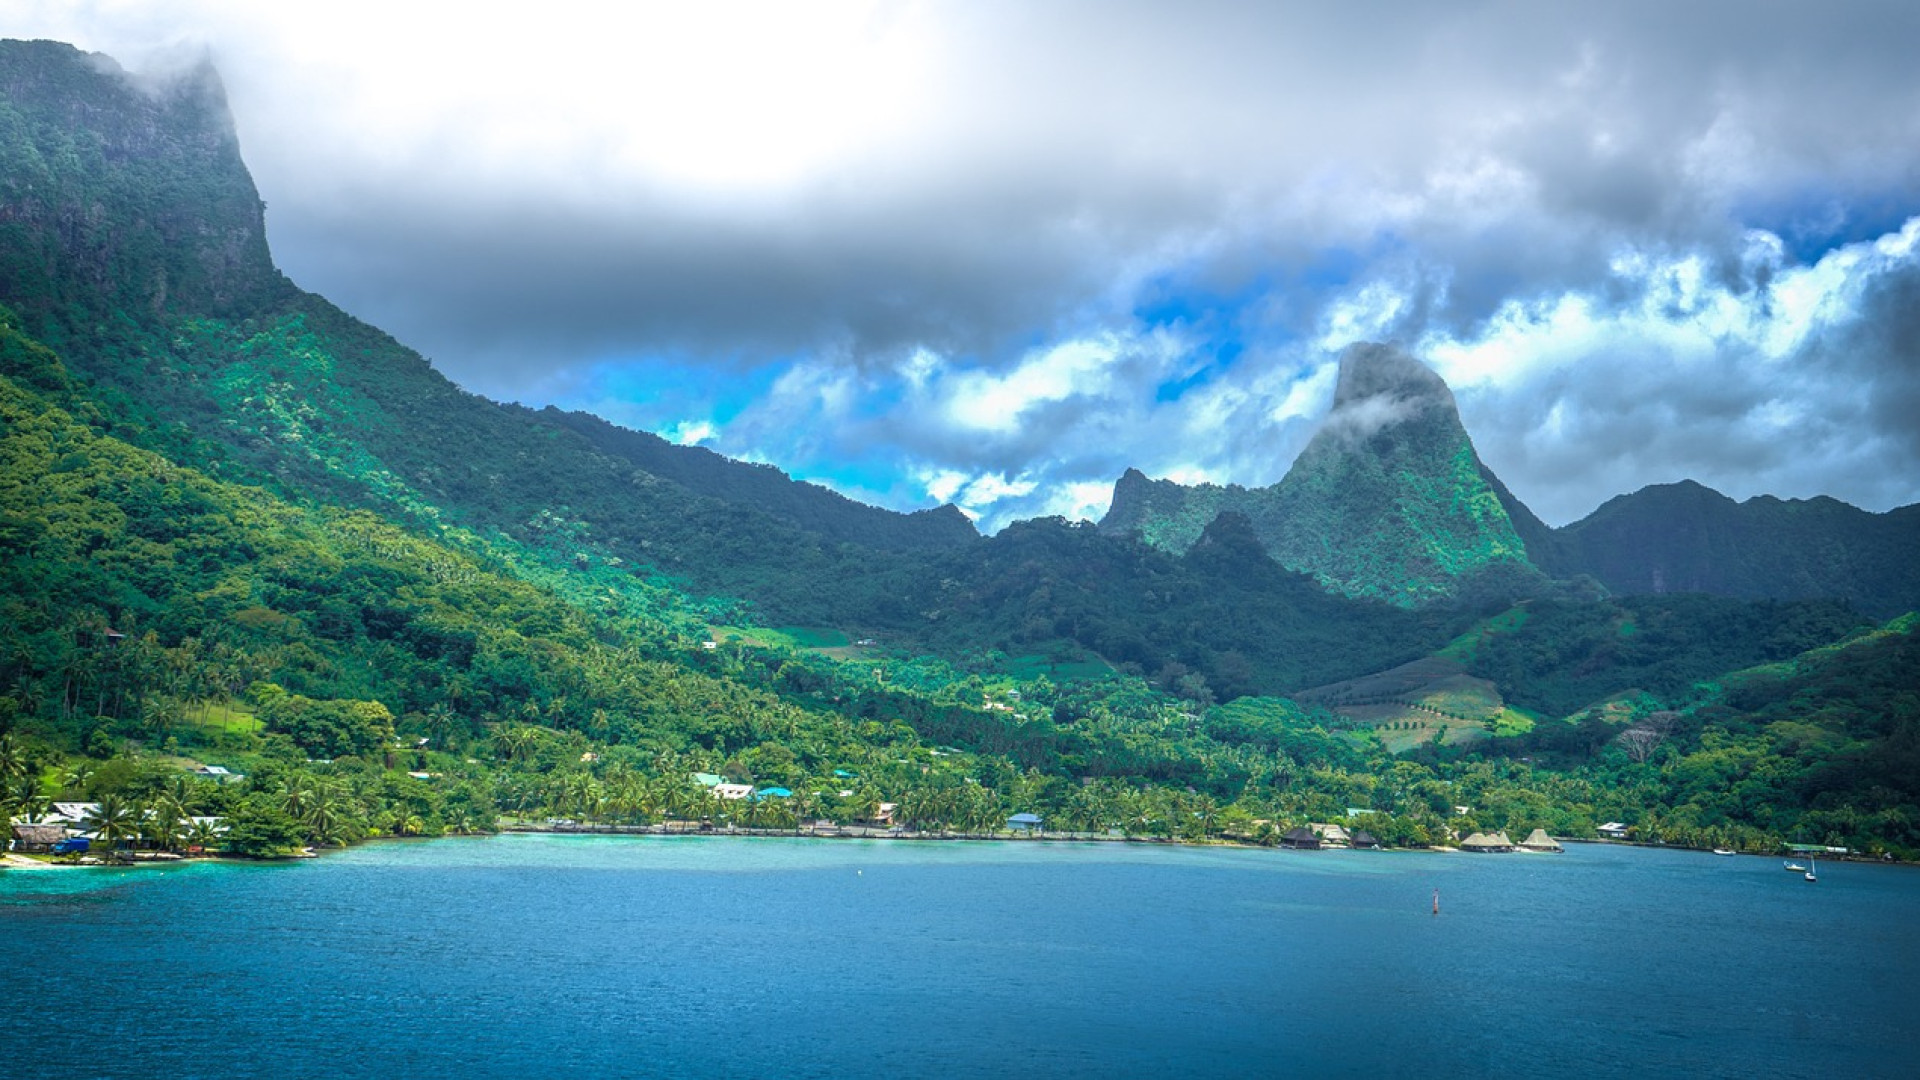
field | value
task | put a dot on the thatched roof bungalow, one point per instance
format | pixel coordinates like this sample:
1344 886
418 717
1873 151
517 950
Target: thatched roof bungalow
1487 842
37 837
1330 835
1300 837
1538 840
1364 839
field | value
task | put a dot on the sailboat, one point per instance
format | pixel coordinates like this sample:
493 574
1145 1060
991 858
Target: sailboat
1795 868
1810 868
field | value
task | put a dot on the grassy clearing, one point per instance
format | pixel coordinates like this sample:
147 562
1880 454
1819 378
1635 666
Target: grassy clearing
798 638
1463 648
1029 667
222 716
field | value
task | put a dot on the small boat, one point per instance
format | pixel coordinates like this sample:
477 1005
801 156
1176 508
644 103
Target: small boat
1810 875
1795 868
1722 851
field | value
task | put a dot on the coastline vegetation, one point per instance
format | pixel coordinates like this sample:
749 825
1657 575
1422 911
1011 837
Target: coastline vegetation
240 529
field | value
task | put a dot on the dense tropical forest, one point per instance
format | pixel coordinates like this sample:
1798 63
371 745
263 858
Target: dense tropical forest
262 564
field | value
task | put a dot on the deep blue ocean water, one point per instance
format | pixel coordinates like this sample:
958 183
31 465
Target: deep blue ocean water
559 957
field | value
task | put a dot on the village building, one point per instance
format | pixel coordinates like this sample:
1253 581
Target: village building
1330 835
732 791
72 814
1614 830
39 837
1364 839
1538 840
1024 822
1300 837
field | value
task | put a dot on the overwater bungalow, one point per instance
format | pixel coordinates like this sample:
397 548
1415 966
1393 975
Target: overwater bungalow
1330 835
1538 840
1363 839
1487 843
1300 837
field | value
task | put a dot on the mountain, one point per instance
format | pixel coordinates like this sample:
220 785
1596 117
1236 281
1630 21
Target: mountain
133 242
766 488
1387 501
119 197
1684 537
238 525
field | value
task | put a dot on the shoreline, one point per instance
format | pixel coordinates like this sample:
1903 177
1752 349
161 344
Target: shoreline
15 860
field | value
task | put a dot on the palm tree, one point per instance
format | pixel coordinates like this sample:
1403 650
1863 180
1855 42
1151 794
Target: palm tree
325 815
113 819
442 722
23 794
162 828
13 758
299 796
202 835
74 778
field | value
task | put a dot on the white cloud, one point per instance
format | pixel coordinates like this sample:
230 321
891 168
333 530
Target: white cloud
939 223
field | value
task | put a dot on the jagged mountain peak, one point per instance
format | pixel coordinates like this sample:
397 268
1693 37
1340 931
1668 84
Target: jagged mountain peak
1371 371
1388 500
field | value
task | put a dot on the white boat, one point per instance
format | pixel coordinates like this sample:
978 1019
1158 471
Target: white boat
1795 868
1810 875
1722 851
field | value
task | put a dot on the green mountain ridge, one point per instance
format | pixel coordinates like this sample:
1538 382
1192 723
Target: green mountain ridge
1388 500
1686 537
770 490
236 521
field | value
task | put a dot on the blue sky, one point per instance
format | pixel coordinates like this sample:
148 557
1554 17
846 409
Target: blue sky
996 253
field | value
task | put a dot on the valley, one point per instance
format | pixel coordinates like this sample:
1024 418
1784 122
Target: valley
241 528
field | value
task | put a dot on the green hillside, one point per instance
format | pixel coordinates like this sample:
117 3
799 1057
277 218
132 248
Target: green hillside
240 527
1388 500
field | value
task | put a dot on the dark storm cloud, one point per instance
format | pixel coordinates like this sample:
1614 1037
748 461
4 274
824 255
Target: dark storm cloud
1014 248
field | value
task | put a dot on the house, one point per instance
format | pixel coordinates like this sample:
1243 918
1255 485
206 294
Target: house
1364 839
37 837
217 772
1300 837
1024 822
731 791
1330 835
1487 843
1613 830
707 779
69 813
1538 840
773 793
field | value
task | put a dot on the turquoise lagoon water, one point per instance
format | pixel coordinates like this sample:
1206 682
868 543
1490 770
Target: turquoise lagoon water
552 957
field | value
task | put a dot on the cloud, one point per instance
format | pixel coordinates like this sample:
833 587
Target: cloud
878 243
1793 380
